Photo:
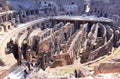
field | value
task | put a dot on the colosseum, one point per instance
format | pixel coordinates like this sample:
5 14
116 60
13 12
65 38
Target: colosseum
59 39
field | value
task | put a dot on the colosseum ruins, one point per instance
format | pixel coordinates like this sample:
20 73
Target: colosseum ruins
59 39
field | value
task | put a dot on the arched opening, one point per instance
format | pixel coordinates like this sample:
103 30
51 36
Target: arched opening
9 27
5 29
9 17
49 5
72 3
40 3
86 8
27 13
100 33
23 16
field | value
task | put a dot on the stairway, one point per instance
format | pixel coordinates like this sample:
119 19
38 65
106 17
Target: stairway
18 73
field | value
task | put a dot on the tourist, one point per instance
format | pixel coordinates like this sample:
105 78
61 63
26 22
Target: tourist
26 67
24 49
35 46
25 73
16 53
27 63
10 46
76 74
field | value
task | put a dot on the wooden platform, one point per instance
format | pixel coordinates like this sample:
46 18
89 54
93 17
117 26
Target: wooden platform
81 18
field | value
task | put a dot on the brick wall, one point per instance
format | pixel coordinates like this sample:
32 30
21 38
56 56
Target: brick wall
104 68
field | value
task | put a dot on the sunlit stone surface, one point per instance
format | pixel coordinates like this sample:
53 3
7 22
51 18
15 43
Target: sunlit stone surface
63 37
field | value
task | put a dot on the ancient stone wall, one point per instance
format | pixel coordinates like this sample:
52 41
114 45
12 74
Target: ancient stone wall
104 33
102 50
57 26
101 37
55 41
92 36
105 68
9 35
21 37
58 32
77 42
91 43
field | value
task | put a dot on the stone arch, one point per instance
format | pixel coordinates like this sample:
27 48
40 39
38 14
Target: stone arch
9 27
86 8
72 3
99 32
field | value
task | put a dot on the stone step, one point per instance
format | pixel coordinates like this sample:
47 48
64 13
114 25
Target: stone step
18 73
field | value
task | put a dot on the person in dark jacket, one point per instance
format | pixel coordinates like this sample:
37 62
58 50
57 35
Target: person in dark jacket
24 49
10 46
16 52
27 63
76 73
